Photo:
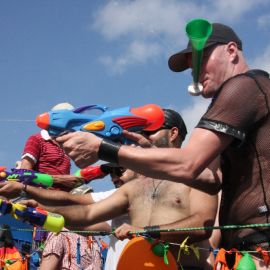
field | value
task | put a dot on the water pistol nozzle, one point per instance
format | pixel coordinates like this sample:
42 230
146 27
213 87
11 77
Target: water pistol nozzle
43 120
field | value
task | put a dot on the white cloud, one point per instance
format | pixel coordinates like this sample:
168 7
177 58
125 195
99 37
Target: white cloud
137 52
262 61
232 10
159 21
141 18
264 21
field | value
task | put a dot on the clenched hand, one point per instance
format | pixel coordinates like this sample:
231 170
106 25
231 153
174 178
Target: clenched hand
81 147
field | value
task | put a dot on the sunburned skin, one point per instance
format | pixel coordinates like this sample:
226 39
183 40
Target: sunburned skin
171 203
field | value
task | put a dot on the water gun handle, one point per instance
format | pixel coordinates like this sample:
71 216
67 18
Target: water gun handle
90 173
5 207
10 208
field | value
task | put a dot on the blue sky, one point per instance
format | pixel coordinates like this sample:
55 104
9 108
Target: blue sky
107 52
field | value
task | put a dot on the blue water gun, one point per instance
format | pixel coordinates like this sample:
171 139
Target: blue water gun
109 124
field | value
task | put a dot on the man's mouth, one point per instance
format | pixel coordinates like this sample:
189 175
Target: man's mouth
203 83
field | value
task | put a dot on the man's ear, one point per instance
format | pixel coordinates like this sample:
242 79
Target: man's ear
174 132
232 50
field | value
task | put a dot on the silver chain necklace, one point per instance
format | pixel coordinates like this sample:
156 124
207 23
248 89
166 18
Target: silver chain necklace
154 193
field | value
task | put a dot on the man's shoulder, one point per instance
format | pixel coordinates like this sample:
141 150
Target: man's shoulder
233 87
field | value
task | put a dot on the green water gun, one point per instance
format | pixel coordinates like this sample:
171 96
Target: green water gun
28 177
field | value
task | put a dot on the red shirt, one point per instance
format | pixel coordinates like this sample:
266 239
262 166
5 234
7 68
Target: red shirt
47 155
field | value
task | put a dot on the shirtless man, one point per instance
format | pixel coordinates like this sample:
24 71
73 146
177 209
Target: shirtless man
152 202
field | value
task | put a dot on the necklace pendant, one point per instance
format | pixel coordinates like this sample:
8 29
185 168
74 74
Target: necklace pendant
153 196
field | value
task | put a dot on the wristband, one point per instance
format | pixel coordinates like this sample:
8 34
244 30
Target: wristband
153 231
108 151
23 193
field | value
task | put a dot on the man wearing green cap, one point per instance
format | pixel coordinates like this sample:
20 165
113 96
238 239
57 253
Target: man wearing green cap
235 127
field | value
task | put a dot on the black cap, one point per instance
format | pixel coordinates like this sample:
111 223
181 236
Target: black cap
221 34
174 119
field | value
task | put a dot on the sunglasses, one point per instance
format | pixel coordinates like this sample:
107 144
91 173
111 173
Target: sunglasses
148 133
118 171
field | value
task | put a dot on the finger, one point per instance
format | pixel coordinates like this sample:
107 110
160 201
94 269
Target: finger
132 135
138 138
24 202
2 184
116 232
64 138
31 203
81 163
121 236
124 234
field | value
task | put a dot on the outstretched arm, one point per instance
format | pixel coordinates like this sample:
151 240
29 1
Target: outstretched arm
85 215
65 182
102 226
179 165
13 189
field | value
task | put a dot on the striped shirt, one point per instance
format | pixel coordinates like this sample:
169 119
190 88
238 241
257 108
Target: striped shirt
47 156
